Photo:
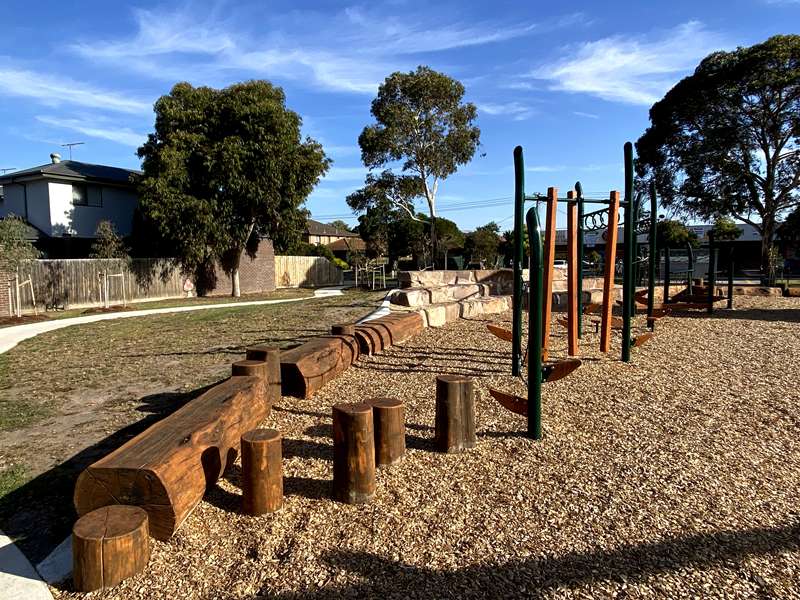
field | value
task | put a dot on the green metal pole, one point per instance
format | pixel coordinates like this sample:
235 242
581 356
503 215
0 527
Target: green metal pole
651 275
535 327
712 271
629 237
579 194
519 257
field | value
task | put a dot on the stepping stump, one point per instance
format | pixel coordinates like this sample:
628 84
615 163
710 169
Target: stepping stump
390 429
353 453
348 329
249 368
271 356
455 413
108 545
262 471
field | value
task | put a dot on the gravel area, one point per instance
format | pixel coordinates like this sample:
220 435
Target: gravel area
676 475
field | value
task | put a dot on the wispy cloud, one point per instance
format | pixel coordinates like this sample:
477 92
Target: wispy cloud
635 70
515 110
579 113
544 168
345 174
120 135
53 90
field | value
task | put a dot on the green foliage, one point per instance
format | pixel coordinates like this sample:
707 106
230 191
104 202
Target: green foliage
225 165
14 248
725 140
507 245
449 235
340 225
593 257
674 234
340 263
422 123
483 244
790 229
108 244
725 229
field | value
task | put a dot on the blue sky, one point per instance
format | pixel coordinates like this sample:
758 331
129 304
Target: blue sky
569 81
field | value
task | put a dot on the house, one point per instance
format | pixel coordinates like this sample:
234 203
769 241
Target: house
320 233
65 200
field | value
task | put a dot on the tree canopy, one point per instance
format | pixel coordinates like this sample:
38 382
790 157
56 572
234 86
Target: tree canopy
224 167
340 225
423 124
15 248
726 139
674 234
483 243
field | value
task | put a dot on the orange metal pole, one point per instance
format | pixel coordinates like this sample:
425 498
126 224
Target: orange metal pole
572 275
608 280
549 260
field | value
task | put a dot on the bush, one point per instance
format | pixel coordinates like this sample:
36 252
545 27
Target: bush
340 263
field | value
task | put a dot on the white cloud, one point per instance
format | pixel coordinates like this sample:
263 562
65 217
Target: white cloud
585 114
635 70
544 168
120 135
516 110
51 90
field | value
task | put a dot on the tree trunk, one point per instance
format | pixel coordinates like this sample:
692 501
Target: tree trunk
434 252
236 291
767 233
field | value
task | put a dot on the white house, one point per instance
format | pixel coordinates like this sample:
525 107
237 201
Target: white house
67 199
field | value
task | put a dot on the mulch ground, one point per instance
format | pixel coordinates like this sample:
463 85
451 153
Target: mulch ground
676 475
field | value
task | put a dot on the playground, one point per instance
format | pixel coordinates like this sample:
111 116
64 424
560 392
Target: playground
672 476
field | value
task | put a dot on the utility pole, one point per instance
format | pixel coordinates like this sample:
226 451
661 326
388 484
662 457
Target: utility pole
70 145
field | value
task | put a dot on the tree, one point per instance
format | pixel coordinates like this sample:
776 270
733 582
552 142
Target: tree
422 123
483 243
507 246
449 236
674 234
724 141
15 248
340 225
108 244
224 168
725 229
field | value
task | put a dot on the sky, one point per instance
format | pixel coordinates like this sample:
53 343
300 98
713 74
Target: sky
571 82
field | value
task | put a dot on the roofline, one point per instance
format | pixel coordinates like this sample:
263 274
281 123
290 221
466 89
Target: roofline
28 177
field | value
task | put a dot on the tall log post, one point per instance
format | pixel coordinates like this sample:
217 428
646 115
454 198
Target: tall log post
390 429
549 262
262 472
353 453
271 356
455 413
608 279
573 270
108 545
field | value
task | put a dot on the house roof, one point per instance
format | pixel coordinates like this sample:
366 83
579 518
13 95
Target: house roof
72 169
316 228
347 245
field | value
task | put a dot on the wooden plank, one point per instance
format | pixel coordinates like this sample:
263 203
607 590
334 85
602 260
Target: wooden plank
549 261
608 279
501 332
167 468
572 276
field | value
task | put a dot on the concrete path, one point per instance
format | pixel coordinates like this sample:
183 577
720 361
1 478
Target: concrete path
18 579
11 336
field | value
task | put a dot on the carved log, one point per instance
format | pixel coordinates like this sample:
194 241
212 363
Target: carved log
272 356
390 429
305 369
262 472
348 329
249 368
108 545
167 468
353 453
455 413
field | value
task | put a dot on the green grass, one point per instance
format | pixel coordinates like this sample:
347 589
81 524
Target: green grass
12 478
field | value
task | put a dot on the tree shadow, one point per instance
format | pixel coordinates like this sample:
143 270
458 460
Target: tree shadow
787 315
540 577
307 487
39 514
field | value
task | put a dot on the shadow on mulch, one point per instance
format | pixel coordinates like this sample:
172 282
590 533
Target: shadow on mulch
787 315
40 514
537 578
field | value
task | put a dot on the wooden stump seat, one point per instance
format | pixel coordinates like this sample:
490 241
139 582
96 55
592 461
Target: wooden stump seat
306 368
262 471
167 468
108 545
353 453
390 429
455 413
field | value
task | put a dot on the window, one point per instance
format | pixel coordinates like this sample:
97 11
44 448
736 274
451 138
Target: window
79 195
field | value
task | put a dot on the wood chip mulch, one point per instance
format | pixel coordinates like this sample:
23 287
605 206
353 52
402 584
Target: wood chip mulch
674 476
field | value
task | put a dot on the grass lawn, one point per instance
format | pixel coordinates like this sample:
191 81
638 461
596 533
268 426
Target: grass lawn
70 396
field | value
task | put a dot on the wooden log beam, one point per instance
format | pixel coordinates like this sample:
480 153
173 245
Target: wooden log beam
390 429
262 472
108 545
306 368
353 453
455 413
608 278
549 260
167 468
271 356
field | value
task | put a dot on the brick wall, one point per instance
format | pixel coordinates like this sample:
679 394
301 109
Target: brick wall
255 274
5 309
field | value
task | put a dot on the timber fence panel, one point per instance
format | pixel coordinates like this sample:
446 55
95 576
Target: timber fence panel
306 271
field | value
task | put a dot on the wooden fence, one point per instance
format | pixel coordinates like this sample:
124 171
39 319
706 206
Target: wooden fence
76 283
306 271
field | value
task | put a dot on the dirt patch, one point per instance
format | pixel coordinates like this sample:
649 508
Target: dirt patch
24 319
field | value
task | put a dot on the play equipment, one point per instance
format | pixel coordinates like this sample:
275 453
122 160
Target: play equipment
455 413
15 287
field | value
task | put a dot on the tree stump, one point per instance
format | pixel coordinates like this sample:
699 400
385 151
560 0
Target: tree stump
353 453
348 329
251 368
262 471
271 356
390 429
455 413
108 545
